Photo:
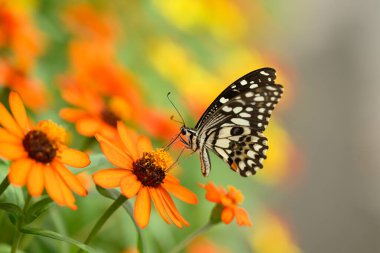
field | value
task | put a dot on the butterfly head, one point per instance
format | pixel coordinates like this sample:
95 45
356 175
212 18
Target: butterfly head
188 137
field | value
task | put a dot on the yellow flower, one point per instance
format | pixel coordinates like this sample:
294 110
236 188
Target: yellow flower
272 235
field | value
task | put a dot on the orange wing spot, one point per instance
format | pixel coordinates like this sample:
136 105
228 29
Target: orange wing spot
234 166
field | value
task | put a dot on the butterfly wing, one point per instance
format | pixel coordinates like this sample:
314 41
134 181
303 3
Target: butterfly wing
243 148
232 126
257 90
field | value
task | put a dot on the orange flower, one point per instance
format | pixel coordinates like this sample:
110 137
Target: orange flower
18 33
143 172
204 245
85 21
96 67
156 122
229 201
93 115
30 89
39 155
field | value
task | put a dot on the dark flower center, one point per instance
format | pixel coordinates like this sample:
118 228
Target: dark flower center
147 172
39 147
110 118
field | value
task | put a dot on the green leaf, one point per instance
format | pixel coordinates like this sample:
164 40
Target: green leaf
114 194
216 214
37 209
5 248
13 218
56 236
106 193
11 208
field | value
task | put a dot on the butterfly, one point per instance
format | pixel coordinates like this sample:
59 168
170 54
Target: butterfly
233 125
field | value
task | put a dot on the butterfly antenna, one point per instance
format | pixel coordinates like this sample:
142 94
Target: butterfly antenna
168 96
173 119
167 146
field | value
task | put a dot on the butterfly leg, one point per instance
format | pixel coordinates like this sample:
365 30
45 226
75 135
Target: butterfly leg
205 162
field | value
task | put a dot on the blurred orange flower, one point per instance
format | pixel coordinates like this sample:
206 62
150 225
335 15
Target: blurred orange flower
30 89
143 172
87 22
95 66
93 114
19 34
203 245
229 201
157 123
39 154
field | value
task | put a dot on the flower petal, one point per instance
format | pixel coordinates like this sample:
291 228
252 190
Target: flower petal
18 111
72 115
7 121
129 185
172 210
19 170
158 204
36 179
6 136
142 207
52 186
144 145
74 158
113 154
69 179
180 192
242 217
213 194
227 215
110 178
125 136
68 196
12 151
172 179
88 126
235 194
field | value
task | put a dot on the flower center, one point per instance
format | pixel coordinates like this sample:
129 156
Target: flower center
150 169
39 147
110 117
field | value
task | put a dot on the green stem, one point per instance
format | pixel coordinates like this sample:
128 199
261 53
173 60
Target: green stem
191 237
17 237
107 214
19 224
4 185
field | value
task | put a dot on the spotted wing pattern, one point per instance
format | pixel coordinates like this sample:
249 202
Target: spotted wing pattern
243 148
232 126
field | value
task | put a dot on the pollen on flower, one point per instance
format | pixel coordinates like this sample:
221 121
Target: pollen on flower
150 169
54 132
160 158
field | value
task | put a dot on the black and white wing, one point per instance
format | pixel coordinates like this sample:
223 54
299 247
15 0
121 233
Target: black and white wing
232 126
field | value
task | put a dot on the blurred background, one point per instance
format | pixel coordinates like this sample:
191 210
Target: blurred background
317 192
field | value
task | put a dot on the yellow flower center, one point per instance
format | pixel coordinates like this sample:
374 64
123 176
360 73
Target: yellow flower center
150 169
54 132
42 143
